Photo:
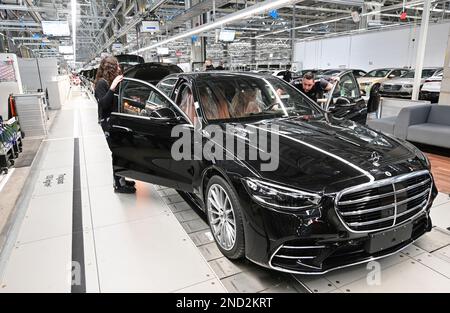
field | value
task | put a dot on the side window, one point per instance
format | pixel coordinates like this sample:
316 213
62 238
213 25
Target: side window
141 99
347 88
166 85
358 73
396 73
185 101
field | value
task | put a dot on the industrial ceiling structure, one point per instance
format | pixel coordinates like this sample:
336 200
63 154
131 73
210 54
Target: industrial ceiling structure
265 29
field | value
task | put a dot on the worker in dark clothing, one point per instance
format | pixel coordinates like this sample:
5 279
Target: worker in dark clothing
287 76
106 81
220 67
314 90
208 65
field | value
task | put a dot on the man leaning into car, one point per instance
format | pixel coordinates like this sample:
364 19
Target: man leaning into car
314 90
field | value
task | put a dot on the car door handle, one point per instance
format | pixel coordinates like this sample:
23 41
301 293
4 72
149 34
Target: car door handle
129 130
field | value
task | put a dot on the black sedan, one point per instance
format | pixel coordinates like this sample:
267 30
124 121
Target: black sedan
320 194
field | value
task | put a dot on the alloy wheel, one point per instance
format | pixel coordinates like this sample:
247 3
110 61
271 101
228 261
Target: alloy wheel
221 217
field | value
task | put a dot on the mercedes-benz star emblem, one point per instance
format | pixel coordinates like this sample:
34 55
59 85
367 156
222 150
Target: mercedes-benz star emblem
375 158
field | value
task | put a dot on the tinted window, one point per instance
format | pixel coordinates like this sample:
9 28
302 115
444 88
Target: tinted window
396 73
185 101
377 73
166 85
425 73
242 96
359 73
347 88
141 99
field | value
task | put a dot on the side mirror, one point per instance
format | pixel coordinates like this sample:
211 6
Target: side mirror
392 76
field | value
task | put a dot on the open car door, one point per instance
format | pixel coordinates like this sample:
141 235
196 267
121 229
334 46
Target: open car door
345 101
140 133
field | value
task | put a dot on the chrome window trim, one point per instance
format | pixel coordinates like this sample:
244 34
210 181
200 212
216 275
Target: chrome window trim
158 90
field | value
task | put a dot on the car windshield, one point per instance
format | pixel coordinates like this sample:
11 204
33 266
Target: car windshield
425 73
377 73
235 97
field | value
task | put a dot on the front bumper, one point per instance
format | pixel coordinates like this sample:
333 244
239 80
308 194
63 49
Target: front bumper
396 94
433 97
314 242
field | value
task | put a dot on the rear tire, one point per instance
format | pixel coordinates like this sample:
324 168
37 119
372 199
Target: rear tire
225 218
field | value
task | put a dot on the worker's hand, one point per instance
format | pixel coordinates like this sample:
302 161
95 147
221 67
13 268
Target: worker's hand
115 82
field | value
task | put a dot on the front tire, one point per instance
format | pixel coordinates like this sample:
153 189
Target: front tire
225 218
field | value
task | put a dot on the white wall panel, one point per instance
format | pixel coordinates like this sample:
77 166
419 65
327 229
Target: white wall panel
388 48
335 52
379 49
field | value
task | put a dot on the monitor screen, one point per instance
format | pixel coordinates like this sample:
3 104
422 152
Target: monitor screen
55 28
227 35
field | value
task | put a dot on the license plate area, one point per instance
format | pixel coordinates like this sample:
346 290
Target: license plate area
389 238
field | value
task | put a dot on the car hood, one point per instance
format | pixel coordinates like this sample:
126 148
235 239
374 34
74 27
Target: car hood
322 156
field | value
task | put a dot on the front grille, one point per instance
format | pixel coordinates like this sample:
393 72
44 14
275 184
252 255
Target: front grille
385 203
392 87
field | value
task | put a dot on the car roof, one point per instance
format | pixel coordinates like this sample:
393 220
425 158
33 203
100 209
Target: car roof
196 75
389 69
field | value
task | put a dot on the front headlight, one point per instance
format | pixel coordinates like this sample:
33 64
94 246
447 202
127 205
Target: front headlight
422 157
407 86
276 196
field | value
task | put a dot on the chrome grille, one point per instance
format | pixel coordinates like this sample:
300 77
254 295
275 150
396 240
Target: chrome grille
383 204
392 87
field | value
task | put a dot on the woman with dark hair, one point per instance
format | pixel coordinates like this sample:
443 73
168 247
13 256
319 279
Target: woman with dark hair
106 81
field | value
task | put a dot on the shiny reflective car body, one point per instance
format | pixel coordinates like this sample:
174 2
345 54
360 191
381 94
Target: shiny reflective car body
341 193
371 82
431 88
402 87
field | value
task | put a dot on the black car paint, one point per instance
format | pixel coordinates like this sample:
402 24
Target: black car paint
323 156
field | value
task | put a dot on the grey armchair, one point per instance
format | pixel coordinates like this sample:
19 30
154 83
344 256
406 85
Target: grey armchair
427 124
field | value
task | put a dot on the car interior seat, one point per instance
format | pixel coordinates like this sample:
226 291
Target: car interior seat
215 105
187 104
245 102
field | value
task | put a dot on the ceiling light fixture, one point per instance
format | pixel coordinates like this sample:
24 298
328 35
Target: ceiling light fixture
239 15
74 29
387 8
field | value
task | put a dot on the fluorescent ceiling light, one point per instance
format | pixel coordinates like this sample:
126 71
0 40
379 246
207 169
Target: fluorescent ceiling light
387 8
74 28
239 15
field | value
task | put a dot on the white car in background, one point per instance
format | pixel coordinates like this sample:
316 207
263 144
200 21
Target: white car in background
402 87
432 87
279 73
